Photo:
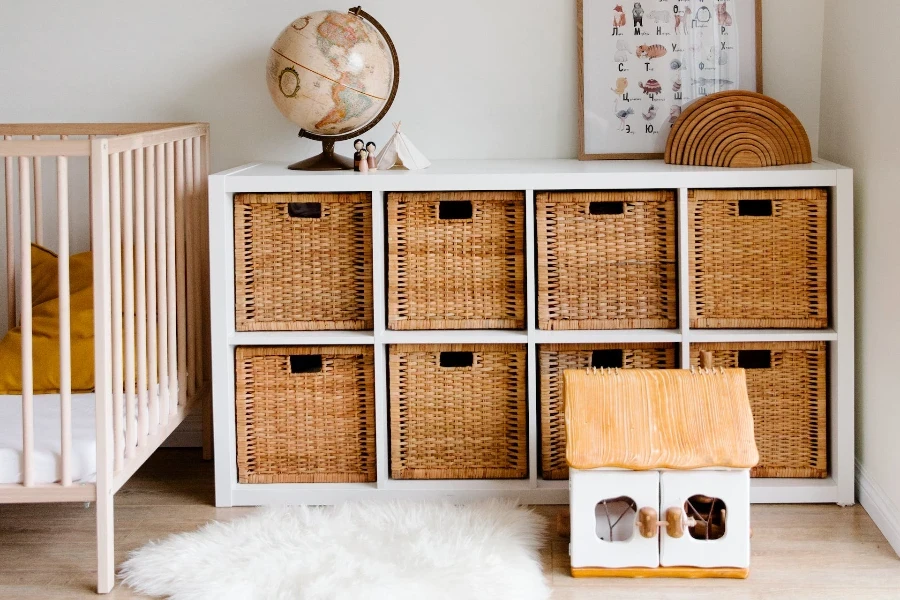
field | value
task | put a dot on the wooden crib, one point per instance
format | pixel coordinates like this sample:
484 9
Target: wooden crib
139 191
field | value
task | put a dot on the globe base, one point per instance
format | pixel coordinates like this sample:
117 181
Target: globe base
326 161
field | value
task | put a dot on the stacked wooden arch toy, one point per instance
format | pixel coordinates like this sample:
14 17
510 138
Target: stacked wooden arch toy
738 129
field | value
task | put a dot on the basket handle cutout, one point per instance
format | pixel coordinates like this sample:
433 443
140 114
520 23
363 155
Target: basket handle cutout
754 208
451 210
306 363
456 360
607 208
305 210
608 359
754 359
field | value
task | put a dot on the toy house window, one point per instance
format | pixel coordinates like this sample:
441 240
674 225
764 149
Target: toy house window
708 516
615 519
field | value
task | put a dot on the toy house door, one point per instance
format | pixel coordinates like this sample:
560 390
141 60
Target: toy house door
604 507
716 507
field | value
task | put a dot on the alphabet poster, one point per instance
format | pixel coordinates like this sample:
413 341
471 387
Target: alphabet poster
645 62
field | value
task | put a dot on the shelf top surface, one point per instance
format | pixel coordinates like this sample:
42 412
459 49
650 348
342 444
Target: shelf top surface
520 174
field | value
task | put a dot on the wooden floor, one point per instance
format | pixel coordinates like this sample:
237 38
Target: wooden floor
799 552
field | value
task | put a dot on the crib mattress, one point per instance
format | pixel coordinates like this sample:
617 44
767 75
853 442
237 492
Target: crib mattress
47 452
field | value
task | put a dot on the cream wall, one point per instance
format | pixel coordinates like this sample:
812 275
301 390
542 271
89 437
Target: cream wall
480 79
860 128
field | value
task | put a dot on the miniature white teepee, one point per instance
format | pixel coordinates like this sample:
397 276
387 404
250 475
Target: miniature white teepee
400 153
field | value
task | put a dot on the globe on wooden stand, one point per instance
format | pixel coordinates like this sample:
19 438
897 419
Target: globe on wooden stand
335 75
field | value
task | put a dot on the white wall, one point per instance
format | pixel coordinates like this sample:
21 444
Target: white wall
480 79
860 128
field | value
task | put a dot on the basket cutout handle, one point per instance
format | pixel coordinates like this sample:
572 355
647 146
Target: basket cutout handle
454 210
606 208
305 210
457 360
754 359
306 363
608 359
755 208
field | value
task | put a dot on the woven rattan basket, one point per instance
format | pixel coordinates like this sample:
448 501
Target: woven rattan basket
458 411
302 262
788 392
553 359
759 258
456 260
606 260
305 414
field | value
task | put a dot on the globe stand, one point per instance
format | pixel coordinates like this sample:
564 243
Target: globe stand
326 161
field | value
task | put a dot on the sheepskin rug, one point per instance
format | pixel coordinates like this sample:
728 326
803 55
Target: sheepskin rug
390 551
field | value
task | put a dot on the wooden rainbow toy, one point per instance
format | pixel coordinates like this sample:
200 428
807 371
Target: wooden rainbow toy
737 129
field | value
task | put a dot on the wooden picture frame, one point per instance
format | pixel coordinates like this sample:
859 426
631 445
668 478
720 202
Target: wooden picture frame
596 121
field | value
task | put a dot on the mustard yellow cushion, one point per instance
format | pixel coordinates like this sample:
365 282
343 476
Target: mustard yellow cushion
45 273
45 328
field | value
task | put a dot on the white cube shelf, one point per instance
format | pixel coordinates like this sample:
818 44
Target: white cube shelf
529 176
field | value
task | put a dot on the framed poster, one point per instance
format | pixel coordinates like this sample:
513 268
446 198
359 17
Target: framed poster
642 63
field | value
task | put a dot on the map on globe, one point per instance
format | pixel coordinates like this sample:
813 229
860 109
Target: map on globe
330 72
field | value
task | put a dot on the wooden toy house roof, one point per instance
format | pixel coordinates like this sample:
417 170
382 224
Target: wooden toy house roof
658 419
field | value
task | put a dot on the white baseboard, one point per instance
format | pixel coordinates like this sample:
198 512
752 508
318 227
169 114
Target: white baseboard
879 506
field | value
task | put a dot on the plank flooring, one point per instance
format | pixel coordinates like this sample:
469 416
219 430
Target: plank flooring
799 552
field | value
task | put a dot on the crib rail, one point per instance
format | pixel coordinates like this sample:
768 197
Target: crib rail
146 188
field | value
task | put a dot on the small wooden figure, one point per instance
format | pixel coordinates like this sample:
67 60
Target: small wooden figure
659 471
370 148
363 161
359 146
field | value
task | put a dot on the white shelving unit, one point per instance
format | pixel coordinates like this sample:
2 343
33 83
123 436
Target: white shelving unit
531 176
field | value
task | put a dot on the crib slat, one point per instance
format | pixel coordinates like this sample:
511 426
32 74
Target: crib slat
91 195
38 197
196 294
205 302
162 283
141 295
65 319
153 402
25 299
196 324
173 307
115 247
127 226
188 204
10 242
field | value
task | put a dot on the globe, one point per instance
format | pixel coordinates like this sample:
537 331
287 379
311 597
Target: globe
334 74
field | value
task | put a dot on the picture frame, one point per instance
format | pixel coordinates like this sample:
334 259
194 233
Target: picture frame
642 62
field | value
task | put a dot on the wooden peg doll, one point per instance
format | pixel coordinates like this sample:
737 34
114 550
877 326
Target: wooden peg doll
363 161
370 148
359 146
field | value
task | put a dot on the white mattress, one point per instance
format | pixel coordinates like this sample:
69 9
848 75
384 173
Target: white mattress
47 459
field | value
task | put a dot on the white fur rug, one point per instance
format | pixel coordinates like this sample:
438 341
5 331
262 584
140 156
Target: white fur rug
395 551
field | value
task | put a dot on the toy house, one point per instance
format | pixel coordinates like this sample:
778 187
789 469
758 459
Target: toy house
659 472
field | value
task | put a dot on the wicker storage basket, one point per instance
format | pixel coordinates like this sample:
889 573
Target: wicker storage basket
305 414
456 260
759 258
302 262
553 359
788 392
458 411
606 260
